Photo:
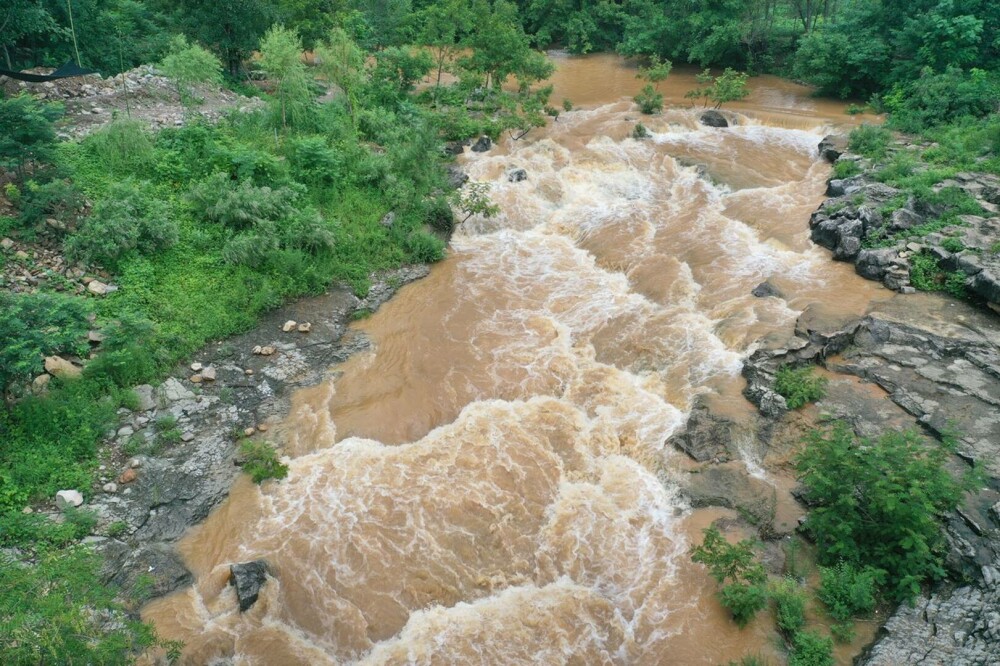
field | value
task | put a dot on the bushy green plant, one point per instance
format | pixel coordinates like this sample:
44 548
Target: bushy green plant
424 247
28 136
56 610
58 199
736 568
878 503
649 100
846 169
849 591
240 204
953 244
799 386
870 140
281 60
131 218
123 147
640 132
34 326
925 275
261 461
811 649
313 161
189 64
789 606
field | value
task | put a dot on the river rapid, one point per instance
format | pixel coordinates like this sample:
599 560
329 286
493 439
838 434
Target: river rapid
491 483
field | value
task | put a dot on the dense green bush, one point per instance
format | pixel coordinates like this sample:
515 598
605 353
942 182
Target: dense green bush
260 461
811 649
132 218
240 205
735 567
123 147
313 161
870 141
848 592
34 326
878 503
190 64
59 200
799 386
789 606
649 100
27 136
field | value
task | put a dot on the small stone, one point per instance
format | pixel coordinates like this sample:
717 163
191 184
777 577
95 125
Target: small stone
907 290
95 336
249 432
40 383
305 328
60 367
257 349
6 243
267 351
145 394
128 476
125 431
195 367
208 374
263 427
517 175
135 463
289 326
196 379
97 287
21 254
27 510
187 437
248 372
68 498
110 488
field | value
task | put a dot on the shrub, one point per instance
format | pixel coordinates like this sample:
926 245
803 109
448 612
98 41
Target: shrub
953 244
640 132
260 461
878 503
649 100
34 326
811 649
439 215
424 248
57 199
188 64
123 147
799 386
58 611
735 567
130 219
28 136
313 162
925 275
846 169
848 591
240 205
789 606
870 141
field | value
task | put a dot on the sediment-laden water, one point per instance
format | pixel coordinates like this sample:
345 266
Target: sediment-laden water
490 484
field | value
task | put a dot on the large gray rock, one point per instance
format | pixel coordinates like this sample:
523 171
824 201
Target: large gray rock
832 147
482 144
147 401
713 118
66 499
248 578
875 263
706 436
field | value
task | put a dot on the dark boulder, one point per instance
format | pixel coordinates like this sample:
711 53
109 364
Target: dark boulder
875 263
454 148
456 177
248 578
517 175
706 436
832 147
713 118
765 290
482 144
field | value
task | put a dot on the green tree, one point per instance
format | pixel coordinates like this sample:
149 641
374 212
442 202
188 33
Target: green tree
188 64
444 26
281 60
736 568
342 62
233 28
26 133
21 19
879 503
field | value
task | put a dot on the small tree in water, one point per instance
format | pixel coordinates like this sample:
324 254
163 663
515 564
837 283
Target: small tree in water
735 567
730 86
650 99
474 199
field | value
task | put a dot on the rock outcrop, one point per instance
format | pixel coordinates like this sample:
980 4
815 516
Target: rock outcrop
248 578
713 118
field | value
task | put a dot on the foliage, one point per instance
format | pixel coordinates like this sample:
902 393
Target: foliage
926 275
878 503
123 147
261 462
730 86
870 141
35 326
848 592
799 386
233 28
649 100
474 199
57 611
26 133
281 60
811 649
58 199
735 567
130 219
789 606
640 131
846 169
188 64
656 72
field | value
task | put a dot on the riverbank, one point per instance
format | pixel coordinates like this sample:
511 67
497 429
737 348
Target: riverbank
917 361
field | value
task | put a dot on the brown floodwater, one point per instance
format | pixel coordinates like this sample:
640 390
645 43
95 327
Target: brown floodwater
490 484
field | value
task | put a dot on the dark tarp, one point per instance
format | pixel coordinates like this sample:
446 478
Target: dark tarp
64 72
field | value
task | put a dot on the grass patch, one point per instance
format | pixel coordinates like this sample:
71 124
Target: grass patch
799 386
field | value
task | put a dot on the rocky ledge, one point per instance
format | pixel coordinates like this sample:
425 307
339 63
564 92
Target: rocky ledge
877 227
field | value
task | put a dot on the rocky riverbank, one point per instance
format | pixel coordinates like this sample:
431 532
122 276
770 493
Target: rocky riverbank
173 459
919 360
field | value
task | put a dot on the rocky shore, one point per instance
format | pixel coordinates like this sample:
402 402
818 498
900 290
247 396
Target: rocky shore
151 488
919 360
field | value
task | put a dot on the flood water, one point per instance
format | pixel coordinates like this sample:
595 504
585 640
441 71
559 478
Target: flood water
490 484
